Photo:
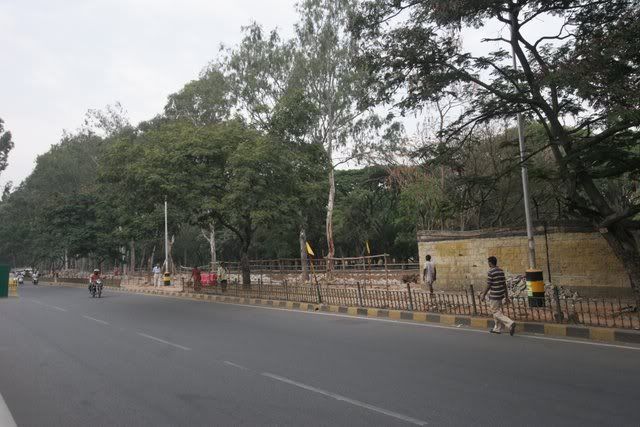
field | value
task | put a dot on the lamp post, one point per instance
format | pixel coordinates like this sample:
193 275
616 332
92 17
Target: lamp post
523 162
534 278
166 237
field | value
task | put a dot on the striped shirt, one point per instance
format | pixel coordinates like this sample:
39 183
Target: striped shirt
497 284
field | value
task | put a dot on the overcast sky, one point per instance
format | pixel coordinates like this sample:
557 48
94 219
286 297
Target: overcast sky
61 58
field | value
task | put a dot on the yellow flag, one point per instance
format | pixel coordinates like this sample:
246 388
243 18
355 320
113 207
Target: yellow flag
368 249
309 250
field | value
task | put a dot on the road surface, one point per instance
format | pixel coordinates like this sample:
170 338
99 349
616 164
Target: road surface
138 360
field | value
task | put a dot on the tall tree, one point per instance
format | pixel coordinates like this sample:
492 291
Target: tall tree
207 100
579 81
6 145
332 83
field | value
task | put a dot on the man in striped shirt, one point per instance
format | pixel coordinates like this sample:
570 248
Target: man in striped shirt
497 290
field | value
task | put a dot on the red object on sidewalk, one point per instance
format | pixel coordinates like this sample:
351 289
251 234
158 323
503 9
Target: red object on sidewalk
209 279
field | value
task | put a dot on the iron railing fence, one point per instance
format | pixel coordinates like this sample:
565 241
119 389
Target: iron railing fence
603 312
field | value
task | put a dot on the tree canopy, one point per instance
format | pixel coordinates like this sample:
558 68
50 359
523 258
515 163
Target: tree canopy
283 140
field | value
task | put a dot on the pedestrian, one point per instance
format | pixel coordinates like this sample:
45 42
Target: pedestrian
497 290
197 279
429 273
156 276
222 277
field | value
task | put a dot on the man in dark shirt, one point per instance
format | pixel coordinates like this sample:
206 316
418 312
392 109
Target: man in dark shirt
196 275
497 290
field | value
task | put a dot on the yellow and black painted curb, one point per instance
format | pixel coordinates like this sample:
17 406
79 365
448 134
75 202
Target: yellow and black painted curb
548 329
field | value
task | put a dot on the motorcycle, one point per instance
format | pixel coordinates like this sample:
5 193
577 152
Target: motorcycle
95 288
35 281
20 280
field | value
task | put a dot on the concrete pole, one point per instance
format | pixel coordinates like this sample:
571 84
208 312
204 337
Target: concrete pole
523 164
166 237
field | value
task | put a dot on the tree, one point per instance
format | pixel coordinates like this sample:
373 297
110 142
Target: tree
256 189
6 145
268 83
579 81
207 100
332 83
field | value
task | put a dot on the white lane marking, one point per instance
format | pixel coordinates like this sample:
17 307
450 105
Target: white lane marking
425 325
163 341
47 305
235 365
96 320
347 400
6 419
598 344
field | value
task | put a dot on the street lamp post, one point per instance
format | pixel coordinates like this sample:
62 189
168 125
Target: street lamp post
534 278
166 237
523 166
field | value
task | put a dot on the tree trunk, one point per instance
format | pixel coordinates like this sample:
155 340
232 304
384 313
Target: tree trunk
210 236
625 245
132 264
152 258
246 268
303 254
143 257
212 248
329 225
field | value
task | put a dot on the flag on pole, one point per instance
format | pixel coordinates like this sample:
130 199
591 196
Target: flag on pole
368 249
309 250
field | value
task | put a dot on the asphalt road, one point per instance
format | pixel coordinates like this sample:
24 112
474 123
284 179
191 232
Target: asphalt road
137 360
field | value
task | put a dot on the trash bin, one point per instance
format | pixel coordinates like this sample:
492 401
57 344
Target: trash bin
535 288
166 279
4 281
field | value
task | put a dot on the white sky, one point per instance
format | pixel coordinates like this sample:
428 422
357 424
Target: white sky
61 58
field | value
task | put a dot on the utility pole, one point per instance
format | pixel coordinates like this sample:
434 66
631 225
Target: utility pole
534 277
523 160
166 237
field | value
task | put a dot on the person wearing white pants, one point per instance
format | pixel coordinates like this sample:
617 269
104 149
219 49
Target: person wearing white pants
156 276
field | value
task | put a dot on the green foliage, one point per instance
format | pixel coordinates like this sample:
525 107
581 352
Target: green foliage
6 145
207 100
579 81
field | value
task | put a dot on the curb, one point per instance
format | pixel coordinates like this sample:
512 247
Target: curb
593 333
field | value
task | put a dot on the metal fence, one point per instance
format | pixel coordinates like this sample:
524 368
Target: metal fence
604 312
106 281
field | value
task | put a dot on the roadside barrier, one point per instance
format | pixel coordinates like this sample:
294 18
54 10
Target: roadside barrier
601 312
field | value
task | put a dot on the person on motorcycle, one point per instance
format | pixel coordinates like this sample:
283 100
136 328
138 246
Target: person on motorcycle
94 277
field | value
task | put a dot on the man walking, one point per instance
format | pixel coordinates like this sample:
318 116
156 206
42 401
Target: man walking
222 277
429 273
196 276
497 290
156 276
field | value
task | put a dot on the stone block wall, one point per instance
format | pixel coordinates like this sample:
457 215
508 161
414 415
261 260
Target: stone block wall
579 258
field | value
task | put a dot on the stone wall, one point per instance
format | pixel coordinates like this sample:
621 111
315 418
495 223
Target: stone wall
580 258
